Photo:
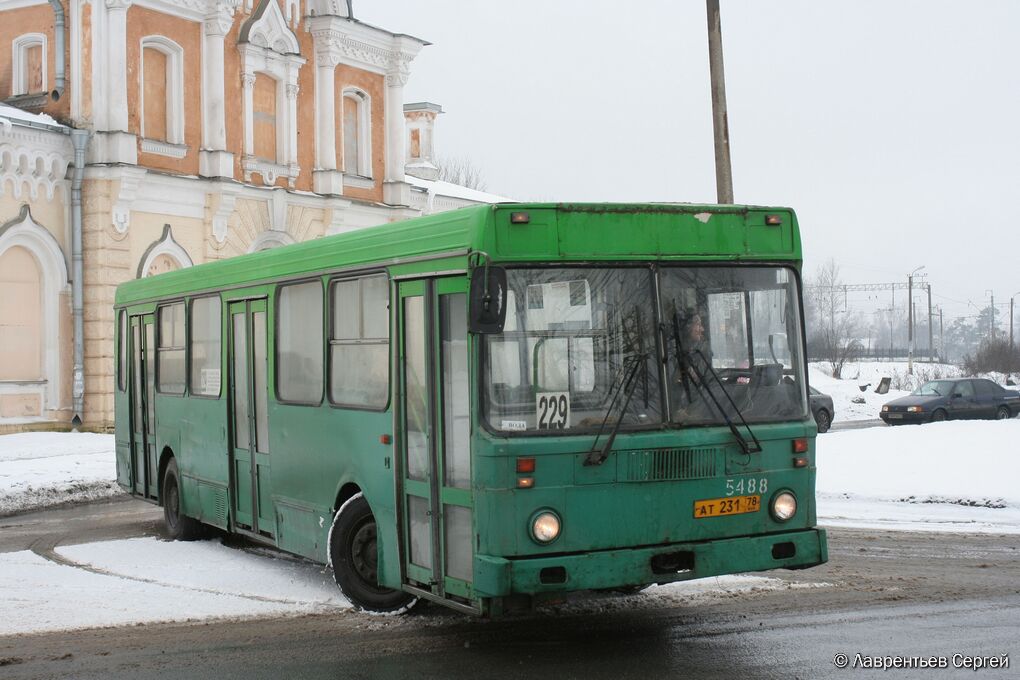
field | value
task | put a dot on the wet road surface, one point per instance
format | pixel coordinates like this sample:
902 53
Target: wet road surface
882 593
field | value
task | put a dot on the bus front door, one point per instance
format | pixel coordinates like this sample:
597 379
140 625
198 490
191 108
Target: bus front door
143 406
249 369
434 439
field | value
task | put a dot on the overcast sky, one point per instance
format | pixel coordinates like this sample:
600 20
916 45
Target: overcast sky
891 127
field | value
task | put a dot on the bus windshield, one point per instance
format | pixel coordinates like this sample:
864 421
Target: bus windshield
573 337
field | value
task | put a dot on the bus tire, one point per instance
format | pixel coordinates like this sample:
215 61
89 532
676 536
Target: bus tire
353 555
178 527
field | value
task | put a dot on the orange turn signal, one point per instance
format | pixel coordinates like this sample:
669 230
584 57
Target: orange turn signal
800 445
799 462
525 465
525 482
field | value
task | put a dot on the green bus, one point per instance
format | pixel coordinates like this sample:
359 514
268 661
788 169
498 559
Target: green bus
488 407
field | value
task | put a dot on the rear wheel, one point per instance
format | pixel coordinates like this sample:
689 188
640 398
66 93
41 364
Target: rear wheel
938 416
354 556
1003 413
178 527
823 420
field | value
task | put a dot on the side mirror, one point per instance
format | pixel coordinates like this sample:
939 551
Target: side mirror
487 311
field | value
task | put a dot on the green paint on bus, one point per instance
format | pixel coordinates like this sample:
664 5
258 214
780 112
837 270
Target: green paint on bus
326 398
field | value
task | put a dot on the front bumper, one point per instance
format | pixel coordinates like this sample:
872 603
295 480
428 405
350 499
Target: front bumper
498 576
898 417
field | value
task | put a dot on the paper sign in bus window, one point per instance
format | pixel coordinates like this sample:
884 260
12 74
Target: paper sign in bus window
552 410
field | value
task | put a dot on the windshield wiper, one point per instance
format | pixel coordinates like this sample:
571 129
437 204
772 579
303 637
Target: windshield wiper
685 365
625 387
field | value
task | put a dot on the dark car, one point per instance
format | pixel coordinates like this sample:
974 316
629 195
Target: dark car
956 398
821 409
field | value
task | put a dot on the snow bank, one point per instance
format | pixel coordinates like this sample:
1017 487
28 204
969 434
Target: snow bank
37 595
952 476
38 469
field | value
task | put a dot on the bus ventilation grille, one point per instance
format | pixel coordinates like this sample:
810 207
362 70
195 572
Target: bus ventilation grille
669 464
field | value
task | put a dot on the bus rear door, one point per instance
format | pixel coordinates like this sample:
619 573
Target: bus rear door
434 439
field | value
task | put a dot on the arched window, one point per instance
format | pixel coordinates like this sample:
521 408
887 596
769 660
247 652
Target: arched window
163 255
162 95
21 318
356 132
28 61
33 278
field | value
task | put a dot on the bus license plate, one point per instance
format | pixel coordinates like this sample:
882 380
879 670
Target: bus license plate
734 505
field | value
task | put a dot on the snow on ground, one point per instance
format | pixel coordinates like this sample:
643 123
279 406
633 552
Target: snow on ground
951 476
48 468
869 374
208 580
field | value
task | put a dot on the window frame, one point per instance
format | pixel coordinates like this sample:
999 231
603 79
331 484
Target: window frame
330 340
189 326
276 341
157 320
174 88
19 56
363 114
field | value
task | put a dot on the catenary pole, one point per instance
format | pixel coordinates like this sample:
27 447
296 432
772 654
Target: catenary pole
720 123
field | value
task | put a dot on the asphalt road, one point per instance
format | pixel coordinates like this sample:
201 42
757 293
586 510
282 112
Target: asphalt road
882 593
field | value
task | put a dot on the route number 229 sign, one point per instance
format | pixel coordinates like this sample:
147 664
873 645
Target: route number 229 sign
552 410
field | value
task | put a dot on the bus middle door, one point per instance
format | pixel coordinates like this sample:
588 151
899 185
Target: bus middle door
142 388
249 368
434 443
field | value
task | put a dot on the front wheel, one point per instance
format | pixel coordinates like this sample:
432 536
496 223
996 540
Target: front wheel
938 416
178 527
354 556
823 420
1003 413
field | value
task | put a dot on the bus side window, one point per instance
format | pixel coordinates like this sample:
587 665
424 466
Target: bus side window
359 342
204 347
170 354
299 371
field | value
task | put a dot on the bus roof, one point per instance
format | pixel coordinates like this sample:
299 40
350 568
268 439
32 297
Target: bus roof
541 232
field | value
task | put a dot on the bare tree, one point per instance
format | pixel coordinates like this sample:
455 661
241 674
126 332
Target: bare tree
460 170
836 330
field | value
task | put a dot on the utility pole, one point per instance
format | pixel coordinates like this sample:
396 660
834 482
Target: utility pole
931 354
942 340
910 320
720 122
991 323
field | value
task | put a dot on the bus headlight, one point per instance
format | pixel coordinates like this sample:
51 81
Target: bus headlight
784 506
545 526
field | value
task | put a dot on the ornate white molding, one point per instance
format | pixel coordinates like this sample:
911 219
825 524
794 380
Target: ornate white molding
267 28
130 179
33 159
342 41
270 172
167 149
228 193
192 10
164 245
270 239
